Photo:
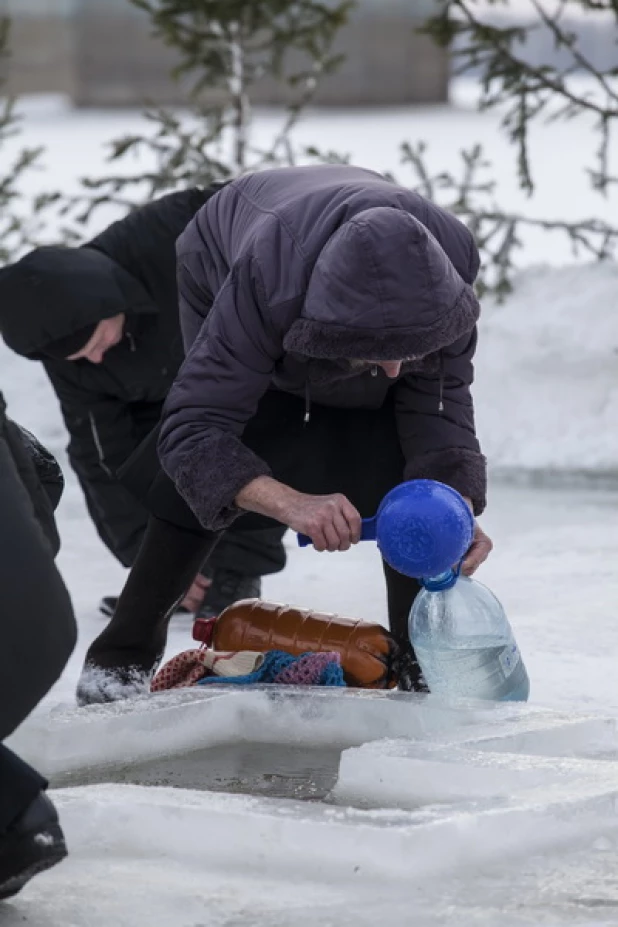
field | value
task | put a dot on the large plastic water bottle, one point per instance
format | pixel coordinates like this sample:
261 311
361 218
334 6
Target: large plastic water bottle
464 643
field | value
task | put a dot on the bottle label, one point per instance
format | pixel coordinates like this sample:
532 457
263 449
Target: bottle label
509 658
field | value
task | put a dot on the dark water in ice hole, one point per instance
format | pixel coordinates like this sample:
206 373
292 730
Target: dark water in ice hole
273 770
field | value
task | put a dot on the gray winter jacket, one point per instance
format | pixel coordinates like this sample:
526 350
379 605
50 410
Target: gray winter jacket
286 275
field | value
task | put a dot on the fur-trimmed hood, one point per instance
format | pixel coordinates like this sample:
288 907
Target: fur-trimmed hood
382 289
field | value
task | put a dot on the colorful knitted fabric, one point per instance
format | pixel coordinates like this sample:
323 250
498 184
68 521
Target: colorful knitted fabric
187 668
280 668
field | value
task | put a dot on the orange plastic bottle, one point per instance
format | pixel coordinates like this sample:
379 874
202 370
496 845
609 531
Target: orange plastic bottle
368 652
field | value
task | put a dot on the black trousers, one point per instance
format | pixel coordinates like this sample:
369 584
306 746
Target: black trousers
252 552
19 786
37 628
352 451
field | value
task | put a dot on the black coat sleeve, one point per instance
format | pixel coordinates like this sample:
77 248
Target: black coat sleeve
102 437
37 625
39 474
45 465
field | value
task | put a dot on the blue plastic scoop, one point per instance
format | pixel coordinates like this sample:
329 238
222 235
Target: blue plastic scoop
422 528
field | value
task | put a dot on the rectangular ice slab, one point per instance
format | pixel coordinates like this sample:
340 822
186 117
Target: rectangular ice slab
403 774
285 839
592 737
68 739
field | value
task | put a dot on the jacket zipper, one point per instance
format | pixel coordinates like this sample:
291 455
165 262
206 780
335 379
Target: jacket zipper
441 401
97 444
307 404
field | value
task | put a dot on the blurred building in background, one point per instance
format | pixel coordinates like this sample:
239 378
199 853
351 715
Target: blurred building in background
102 53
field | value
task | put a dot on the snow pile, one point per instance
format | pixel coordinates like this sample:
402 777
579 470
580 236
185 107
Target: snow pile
547 373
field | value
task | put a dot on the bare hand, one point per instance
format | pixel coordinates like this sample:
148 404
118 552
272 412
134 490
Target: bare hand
478 553
331 522
195 595
479 550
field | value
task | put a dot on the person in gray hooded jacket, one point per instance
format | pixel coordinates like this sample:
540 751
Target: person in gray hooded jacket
329 325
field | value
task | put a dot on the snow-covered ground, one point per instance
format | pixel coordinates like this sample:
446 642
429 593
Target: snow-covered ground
475 815
547 374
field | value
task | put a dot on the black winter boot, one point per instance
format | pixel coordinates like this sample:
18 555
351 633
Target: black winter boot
32 844
122 660
228 587
401 593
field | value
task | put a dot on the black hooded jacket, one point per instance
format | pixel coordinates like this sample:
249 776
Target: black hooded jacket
108 409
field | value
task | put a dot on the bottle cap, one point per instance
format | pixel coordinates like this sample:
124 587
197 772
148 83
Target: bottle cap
203 630
441 583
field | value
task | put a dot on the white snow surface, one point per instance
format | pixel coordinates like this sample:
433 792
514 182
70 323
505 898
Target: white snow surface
469 815
546 374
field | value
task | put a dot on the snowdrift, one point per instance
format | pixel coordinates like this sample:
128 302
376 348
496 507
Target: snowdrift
547 374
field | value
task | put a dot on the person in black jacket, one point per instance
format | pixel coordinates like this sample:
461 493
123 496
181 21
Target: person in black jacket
103 319
37 636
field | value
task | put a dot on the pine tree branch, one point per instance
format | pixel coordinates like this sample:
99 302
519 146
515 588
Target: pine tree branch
569 41
223 45
22 219
497 231
528 90
505 63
